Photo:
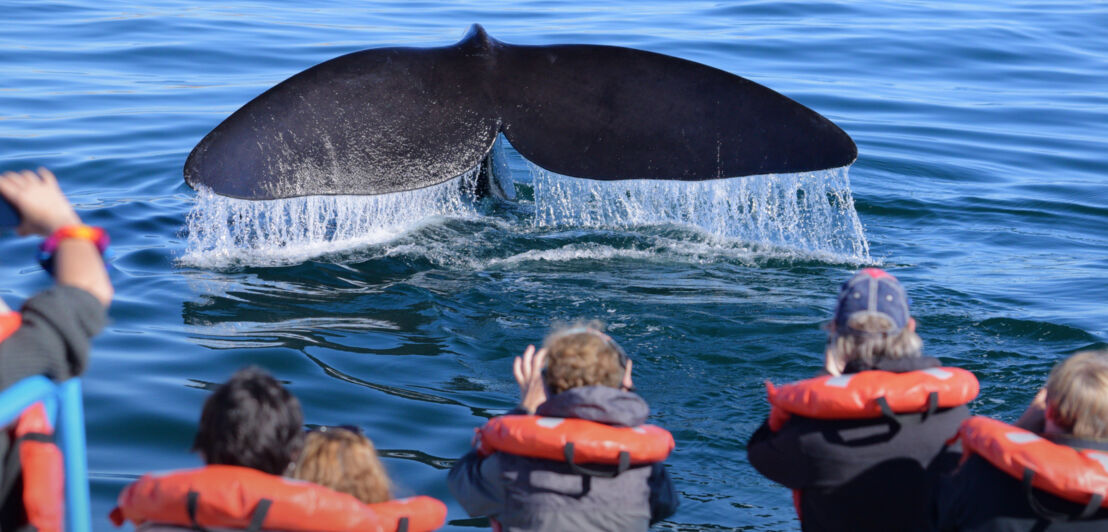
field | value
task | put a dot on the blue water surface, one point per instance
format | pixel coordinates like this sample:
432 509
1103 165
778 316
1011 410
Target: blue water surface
979 183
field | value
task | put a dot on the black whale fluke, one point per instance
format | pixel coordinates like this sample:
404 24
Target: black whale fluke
394 119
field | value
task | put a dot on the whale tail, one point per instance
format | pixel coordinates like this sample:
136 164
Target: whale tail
394 119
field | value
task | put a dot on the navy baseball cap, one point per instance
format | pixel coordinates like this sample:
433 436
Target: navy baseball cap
871 291
8 215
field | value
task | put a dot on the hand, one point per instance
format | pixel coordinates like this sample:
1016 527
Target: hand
39 201
1034 418
528 372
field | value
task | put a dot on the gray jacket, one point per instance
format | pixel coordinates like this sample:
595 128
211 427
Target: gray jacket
531 494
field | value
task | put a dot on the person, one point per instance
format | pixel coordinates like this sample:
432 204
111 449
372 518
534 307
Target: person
988 492
250 434
538 482
870 465
52 333
343 459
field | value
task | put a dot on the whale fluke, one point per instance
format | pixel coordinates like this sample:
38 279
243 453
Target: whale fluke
393 119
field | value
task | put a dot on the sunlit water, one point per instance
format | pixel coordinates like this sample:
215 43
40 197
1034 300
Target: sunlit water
980 183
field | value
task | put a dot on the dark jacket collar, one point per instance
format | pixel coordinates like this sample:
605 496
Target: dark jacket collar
901 365
598 403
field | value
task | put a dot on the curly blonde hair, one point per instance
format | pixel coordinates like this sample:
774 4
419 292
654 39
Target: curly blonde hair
344 461
581 355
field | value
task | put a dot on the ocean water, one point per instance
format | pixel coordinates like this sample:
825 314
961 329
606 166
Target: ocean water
979 183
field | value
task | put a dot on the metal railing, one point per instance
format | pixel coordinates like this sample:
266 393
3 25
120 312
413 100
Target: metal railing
67 415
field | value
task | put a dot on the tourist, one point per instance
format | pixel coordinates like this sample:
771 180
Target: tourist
52 332
871 465
525 478
990 492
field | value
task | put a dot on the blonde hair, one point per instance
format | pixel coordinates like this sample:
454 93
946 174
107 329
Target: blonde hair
875 346
581 355
344 461
1077 393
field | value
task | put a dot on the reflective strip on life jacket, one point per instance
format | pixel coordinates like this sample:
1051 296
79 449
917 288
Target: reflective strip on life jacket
871 394
575 441
222 496
43 472
1080 476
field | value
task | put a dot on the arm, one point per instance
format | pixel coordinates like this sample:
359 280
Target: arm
778 455
664 499
54 340
474 482
44 209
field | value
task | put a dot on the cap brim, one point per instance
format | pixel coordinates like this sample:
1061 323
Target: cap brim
8 216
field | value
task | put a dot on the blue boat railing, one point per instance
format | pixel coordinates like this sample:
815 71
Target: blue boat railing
67 414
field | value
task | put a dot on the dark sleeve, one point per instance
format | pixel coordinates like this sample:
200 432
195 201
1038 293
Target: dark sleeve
778 455
663 495
475 483
54 339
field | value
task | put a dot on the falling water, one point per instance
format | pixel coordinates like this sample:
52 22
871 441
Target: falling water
811 212
224 230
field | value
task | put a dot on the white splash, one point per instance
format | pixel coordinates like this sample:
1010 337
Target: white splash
224 231
812 212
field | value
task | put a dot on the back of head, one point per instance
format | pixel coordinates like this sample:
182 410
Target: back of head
872 320
1077 395
250 421
581 355
344 461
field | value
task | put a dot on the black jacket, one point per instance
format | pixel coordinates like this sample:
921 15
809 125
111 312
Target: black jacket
981 498
868 474
531 494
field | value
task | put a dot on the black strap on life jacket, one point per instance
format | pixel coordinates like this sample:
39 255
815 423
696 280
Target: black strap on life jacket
1045 513
256 520
624 464
40 437
402 525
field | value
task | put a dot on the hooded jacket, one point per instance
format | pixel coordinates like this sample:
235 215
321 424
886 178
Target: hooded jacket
863 474
530 494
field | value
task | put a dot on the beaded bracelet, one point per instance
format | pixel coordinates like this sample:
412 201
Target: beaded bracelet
96 235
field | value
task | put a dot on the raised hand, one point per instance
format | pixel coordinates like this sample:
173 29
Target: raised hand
528 372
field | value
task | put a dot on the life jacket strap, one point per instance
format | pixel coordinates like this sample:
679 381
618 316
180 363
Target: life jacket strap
1050 515
259 515
932 404
192 502
886 410
40 437
624 464
402 525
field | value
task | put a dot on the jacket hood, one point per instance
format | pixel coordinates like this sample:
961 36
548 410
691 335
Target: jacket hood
598 403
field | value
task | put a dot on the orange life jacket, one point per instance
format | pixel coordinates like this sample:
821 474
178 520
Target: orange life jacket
39 458
1080 476
871 394
222 496
575 441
